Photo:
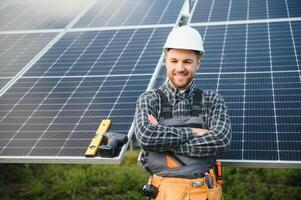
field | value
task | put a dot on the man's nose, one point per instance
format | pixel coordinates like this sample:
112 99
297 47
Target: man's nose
180 67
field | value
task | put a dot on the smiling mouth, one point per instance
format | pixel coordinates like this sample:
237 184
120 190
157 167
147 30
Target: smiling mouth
180 75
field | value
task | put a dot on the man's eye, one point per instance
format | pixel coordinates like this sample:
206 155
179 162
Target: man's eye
173 61
188 62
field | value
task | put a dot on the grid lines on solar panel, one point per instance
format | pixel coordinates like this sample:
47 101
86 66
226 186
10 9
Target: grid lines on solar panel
131 12
255 68
58 114
97 52
22 15
217 10
16 50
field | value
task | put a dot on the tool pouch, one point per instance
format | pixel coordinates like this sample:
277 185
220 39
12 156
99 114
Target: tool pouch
215 193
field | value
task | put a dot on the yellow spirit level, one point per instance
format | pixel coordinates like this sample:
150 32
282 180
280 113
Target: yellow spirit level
96 141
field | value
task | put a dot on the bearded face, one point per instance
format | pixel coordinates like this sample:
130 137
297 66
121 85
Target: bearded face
181 66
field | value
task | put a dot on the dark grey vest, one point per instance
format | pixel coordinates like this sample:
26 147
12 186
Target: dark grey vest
189 167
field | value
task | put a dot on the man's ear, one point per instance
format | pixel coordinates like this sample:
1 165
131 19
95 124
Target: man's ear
199 62
165 55
165 59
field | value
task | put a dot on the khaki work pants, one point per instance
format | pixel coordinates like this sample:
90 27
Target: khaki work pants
185 189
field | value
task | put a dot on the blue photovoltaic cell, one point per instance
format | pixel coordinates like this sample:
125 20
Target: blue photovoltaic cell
16 50
217 10
255 68
22 15
59 116
294 8
296 28
127 51
131 12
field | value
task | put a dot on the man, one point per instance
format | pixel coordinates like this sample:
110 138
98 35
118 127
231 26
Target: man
179 127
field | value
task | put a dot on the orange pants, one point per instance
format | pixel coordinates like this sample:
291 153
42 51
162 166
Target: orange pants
184 189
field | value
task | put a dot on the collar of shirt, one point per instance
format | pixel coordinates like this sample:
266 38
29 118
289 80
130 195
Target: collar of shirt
175 93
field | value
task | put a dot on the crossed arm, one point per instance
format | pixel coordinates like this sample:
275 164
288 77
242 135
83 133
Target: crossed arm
196 131
194 142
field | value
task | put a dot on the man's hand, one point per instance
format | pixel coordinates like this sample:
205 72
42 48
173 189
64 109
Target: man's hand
199 131
152 119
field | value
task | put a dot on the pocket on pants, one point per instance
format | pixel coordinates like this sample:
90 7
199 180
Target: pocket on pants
198 193
215 193
168 191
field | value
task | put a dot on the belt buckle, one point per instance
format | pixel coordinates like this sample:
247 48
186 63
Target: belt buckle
197 184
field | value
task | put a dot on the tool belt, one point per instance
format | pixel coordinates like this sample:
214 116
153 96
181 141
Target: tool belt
208 187
169 188
169 164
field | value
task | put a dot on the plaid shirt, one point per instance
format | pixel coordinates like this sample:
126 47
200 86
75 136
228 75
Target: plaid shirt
181 140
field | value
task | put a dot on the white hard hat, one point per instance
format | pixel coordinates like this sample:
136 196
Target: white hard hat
185 37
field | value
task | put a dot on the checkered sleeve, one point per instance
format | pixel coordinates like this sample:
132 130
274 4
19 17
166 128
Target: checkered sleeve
218 138
156 137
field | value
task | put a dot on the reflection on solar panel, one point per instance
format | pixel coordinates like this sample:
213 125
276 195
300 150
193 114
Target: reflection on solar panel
216 10
24 15
131 12
18 49
255 65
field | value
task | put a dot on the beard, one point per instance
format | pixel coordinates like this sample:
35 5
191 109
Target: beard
182 82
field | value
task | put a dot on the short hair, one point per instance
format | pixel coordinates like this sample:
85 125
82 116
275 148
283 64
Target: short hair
198 53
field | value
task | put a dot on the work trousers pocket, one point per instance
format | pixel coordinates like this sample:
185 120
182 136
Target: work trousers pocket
215 193
169 191
198 193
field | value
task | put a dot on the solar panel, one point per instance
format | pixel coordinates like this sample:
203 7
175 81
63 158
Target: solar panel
25 15
256 67
53 111
17 50
104 57
131 12
216 10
